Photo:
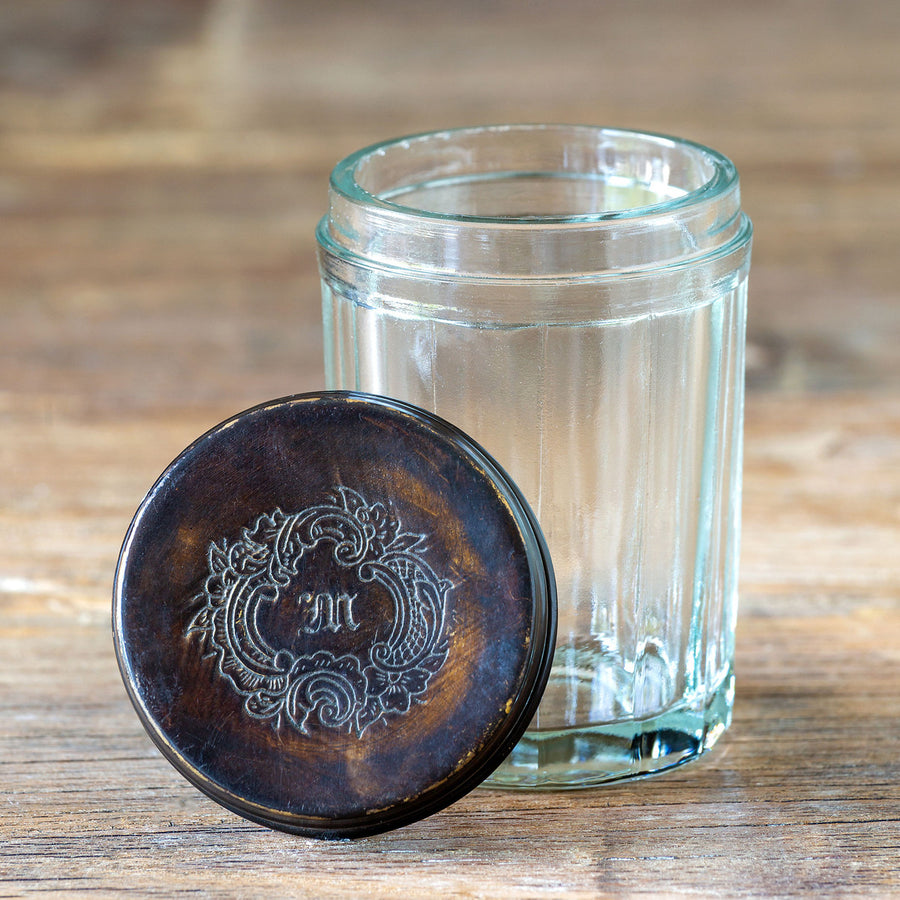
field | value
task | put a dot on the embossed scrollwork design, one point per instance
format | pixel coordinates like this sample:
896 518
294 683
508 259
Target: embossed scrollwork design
351 690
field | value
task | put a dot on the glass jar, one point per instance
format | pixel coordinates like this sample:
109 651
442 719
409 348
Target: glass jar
574 298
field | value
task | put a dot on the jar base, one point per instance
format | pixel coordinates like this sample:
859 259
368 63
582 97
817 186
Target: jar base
584 757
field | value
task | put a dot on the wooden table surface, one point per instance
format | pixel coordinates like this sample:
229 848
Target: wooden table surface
162 166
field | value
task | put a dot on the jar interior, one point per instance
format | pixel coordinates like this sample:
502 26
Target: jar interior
532 196
524 173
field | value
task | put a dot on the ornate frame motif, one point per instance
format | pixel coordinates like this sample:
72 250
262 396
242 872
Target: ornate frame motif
352 691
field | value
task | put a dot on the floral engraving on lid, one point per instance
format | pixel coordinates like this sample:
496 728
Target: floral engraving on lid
357 682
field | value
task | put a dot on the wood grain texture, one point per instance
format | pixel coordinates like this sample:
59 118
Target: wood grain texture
162 166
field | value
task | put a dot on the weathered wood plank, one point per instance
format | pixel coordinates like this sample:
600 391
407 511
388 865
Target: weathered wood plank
801 796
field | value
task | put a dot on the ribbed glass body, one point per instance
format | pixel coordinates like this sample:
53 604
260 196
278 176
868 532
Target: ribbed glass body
575 299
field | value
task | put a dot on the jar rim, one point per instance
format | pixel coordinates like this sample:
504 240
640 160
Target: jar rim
723 178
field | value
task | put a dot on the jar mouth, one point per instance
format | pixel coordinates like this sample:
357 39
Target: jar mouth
531 201
604 174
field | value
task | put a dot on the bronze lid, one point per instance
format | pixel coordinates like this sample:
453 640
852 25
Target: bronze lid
335 614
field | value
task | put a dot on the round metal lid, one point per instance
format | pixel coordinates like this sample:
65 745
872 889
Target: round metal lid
335 614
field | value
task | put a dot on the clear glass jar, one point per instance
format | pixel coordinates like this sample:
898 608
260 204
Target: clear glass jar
575 299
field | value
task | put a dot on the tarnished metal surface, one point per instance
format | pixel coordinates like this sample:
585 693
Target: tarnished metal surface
334 614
